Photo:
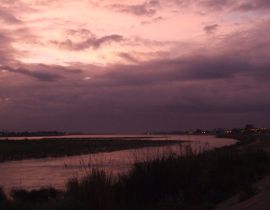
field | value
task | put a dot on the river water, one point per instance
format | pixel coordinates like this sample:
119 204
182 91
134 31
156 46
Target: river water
55 172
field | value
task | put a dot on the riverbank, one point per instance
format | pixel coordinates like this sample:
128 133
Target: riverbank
26 149
259 191
193 181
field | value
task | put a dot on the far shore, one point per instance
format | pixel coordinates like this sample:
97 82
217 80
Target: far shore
60 147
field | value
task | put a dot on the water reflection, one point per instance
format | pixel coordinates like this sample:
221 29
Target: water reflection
36 173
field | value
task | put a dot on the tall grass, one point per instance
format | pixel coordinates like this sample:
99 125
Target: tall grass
171 182
193 180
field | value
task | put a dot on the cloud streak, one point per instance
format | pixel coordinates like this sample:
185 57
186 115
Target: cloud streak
40 75
7 17
92 42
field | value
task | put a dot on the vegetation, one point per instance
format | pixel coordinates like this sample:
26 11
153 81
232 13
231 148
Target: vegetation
193 181
30 134
25 149
3 197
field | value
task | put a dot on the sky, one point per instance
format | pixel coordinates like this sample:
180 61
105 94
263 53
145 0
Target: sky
134 66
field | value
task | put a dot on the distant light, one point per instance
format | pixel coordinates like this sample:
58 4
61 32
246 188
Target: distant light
87 78
4 99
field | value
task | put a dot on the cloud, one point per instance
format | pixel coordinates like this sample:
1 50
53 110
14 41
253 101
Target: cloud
239 54
40 75
201 5
254 5
92 42
41 72
128 57
154 20
193 68
7 52
210 29
217 4
145 9
81 33
8 17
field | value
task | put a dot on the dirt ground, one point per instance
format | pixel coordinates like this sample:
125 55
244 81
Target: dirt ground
260 201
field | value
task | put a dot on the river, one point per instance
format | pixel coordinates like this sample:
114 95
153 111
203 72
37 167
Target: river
55 172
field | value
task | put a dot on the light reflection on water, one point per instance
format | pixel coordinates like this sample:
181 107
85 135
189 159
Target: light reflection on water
36 173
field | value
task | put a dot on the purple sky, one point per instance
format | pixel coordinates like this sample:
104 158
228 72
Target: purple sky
134 66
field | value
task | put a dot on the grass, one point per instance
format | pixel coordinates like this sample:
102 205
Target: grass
25 149
171 182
